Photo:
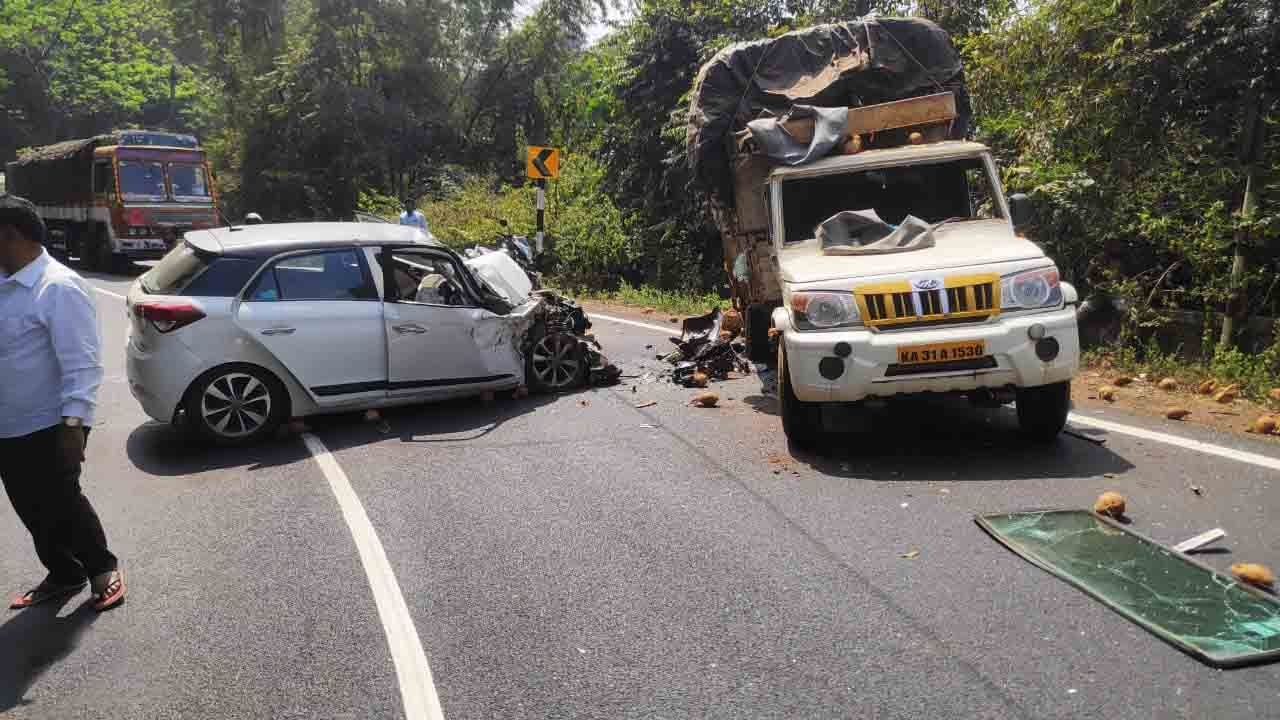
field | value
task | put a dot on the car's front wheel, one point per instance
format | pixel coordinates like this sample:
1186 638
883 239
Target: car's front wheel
556 362
1042 411
236 405
801 420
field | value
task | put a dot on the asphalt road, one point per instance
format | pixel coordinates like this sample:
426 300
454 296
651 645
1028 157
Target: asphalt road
578 556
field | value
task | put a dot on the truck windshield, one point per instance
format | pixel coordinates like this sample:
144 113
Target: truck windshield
931 192
142 180
188 182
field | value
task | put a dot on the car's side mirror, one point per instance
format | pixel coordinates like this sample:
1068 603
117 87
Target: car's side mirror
1020 210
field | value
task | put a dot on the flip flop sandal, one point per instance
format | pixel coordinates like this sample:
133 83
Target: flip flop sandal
111 595
44 592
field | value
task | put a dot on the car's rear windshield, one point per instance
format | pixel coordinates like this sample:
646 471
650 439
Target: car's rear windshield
176 271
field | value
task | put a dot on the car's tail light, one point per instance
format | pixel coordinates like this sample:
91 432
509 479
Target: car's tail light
168 316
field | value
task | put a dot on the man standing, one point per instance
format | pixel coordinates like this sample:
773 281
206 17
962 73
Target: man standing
414 217
49 376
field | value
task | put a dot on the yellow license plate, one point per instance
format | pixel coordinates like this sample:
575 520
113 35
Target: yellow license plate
941 352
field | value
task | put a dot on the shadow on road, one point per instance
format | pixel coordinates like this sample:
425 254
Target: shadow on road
32 641
452 421
948 439
168 451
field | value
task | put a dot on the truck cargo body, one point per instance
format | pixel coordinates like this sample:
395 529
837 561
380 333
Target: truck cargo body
120 197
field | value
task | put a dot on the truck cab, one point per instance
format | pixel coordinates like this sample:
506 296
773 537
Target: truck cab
968 307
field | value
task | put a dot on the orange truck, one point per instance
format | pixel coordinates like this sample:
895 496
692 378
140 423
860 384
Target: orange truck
109 199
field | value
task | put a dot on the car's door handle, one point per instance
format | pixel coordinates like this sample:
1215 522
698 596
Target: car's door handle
408 328
279 331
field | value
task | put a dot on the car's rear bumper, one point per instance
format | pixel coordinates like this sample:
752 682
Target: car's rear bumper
159 380
871 369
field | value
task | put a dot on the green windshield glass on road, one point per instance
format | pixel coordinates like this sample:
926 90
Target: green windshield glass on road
1205 613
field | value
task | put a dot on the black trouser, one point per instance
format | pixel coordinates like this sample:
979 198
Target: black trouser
46 495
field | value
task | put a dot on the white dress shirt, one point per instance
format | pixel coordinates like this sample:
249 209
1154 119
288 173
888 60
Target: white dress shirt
414 219
50 360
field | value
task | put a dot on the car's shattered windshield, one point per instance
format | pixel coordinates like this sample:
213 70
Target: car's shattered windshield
1206 614
930 193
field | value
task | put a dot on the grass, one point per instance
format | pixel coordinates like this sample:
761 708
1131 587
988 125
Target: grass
1257 374
670 302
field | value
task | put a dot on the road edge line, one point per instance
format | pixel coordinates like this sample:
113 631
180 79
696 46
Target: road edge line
1185 443
417 688
646 326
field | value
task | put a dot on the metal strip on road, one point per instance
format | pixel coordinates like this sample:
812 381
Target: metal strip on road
1186 443
1115 427
417 689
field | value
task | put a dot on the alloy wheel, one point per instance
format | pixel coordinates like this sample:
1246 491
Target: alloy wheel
556 361
235 405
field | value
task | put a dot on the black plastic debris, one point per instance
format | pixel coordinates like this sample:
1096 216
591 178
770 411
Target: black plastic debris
702 349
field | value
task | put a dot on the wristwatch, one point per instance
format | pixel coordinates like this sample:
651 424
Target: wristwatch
73 422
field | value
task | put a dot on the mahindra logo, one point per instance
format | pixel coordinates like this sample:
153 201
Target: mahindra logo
929 284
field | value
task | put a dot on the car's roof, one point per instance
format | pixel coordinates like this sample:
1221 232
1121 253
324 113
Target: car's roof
907 154
272 239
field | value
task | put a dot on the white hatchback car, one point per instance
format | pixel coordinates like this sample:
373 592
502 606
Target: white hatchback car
239 329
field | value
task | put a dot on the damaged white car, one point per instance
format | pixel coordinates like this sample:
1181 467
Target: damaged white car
240 329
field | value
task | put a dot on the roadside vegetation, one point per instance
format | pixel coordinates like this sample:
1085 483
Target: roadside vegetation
1124 122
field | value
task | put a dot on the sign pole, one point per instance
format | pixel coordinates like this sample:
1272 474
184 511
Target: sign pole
542 206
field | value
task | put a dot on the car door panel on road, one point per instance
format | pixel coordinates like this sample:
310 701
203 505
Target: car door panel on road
433 326
319 314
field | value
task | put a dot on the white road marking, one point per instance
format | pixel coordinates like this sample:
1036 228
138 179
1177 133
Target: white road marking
117 296
646 326
1115 427
417 689
1186 443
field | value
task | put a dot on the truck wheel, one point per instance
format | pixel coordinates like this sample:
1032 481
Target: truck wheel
100 257
759 320
801 420
1042 411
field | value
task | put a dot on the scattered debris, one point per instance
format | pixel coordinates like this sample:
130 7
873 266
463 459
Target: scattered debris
910 555
1254 574
1177 413
1274 394
1168 384
584 402
643 405
1086 438
1224 412
1199 491
1226 396
647 311
1110 503
1122 381
1199 541
1207 387
703 352
675 320
699 379
1265 425
1108 393
732 322
1109 476
648 347
905 505
706 400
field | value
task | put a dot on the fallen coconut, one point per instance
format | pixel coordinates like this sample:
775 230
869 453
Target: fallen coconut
731 321
1108 393
706 399
1122 381
1207 387
1110 503
1254 574
1274 394
1264 425
1176 413
699 379
1168 384
1224 396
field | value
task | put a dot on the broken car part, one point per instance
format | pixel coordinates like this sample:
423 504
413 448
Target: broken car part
1202 612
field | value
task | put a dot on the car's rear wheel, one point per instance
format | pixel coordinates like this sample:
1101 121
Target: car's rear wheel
801 421
556 363
236 405
1042 411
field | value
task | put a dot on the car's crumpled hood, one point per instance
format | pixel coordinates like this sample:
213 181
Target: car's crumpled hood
961 244
502 276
